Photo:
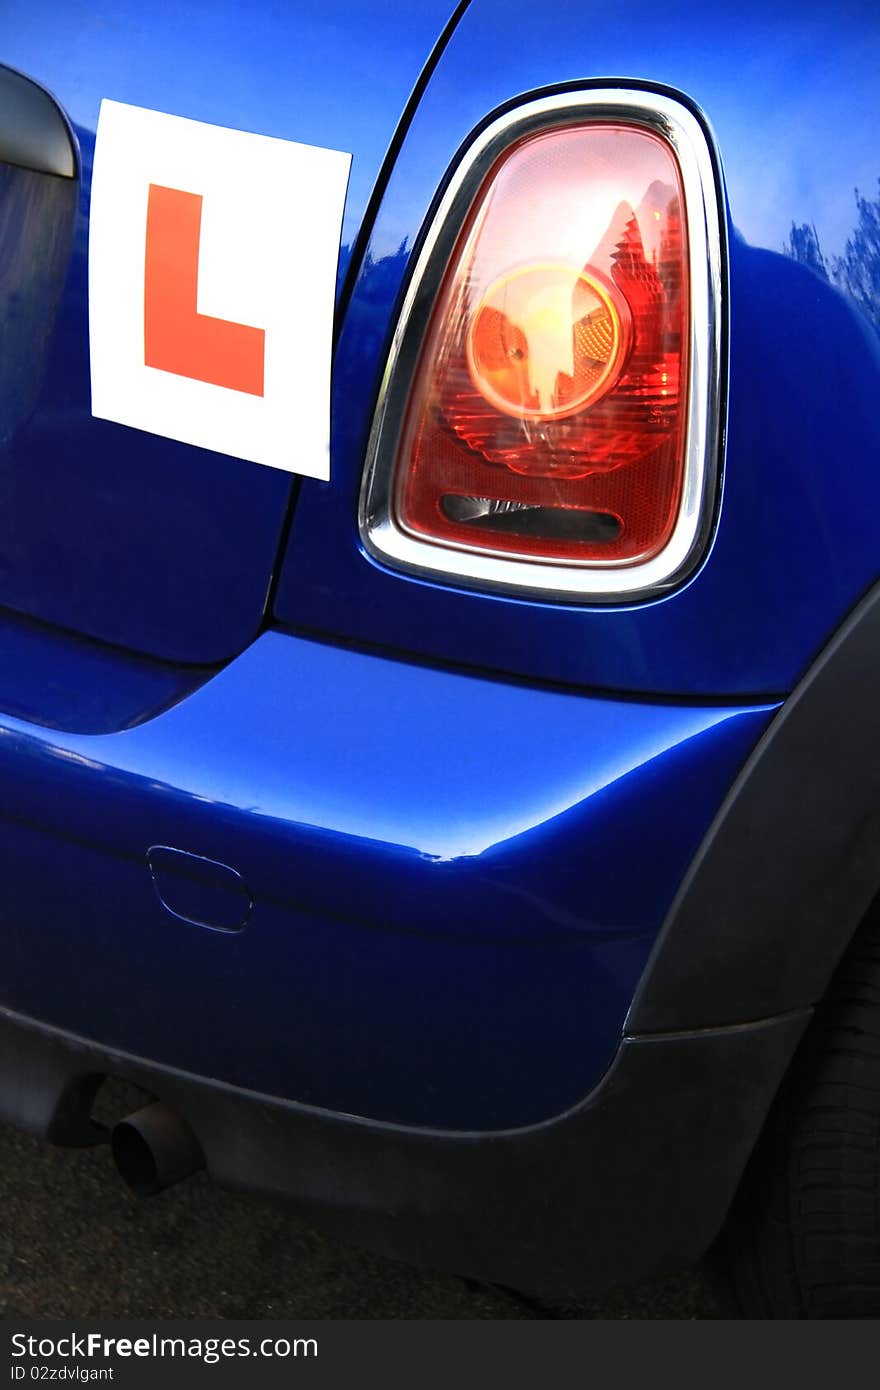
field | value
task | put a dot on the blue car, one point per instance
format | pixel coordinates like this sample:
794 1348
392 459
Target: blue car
440 627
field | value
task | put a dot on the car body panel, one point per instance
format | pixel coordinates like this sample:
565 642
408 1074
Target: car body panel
455 882
62 681
393 859
796 542
138 540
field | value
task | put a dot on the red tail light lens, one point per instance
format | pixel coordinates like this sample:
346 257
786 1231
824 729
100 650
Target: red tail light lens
533 324
556 411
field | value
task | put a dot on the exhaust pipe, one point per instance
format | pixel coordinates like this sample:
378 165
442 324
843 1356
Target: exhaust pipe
154 1148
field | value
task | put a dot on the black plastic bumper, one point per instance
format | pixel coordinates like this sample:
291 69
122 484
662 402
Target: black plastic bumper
634 1180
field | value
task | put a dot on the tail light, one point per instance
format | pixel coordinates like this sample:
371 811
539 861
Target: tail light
549 415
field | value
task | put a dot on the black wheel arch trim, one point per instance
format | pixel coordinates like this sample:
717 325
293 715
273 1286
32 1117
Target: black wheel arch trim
791 863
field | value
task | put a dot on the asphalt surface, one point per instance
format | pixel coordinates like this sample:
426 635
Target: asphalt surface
74 1243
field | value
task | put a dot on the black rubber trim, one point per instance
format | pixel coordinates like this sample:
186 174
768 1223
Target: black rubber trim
792 861
34 131
634 1180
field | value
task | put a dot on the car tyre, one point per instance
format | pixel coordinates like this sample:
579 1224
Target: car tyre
803 1237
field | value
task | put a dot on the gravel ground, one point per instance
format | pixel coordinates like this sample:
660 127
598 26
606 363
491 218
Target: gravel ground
75 1244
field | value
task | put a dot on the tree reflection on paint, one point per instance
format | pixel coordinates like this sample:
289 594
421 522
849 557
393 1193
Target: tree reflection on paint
857 271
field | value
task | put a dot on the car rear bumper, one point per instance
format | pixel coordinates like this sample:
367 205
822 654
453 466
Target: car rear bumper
417 908
418 896
635 1179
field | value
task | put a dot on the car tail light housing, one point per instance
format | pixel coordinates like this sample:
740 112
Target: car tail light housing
548 420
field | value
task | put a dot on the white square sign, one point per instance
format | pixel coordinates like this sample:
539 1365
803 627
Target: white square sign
212 274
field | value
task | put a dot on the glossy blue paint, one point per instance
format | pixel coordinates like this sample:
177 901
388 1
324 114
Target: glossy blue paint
68 682
455 881
123 536
790 92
